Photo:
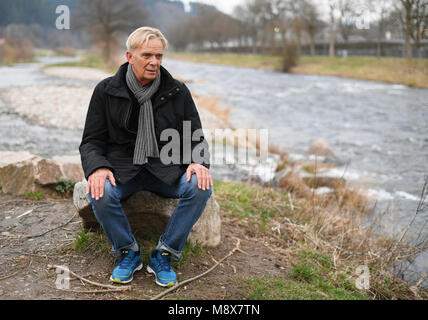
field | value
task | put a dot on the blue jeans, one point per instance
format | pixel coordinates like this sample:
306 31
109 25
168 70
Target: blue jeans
109 213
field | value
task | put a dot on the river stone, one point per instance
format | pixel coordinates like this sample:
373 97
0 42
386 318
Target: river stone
149 213
28 175
71 167
22 172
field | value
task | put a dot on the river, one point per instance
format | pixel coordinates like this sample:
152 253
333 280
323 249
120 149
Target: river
378 131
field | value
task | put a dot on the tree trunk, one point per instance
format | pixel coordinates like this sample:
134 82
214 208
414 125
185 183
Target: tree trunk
312 45
332 42
273 41
408 31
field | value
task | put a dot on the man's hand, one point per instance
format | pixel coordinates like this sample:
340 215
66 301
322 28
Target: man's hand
203 175
97 180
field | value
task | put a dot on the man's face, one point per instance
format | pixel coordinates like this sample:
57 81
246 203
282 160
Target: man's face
146 60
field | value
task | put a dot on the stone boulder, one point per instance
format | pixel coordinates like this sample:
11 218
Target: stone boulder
149 213
31 174
22 172
71 167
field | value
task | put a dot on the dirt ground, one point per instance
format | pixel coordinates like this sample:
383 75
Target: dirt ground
27 252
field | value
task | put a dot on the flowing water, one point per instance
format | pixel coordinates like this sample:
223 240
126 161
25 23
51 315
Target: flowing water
378 131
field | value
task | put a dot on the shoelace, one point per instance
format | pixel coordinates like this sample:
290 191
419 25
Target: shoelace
164 263
125 260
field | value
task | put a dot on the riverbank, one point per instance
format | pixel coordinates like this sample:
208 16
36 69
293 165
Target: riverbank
301 247
412 73
292 248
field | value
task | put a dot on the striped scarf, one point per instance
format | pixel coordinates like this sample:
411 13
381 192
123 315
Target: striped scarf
146 144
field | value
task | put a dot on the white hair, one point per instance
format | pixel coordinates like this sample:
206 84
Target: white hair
143 34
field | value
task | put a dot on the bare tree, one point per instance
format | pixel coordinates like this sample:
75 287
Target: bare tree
414 19
255 14
333 27
311 22
346 23
419 24
106 19
382 9
406 12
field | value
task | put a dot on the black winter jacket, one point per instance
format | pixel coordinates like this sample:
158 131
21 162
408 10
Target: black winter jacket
112 123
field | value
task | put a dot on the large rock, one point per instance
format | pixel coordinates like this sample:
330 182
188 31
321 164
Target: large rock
71 167
31 174
22 172
149 213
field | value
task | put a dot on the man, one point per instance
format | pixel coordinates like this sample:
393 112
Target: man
121 148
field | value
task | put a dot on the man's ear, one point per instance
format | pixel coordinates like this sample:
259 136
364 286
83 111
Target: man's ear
129 56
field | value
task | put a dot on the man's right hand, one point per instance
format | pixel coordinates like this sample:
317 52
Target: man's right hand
96 182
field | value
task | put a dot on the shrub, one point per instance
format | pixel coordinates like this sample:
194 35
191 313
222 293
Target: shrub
290 57
65 187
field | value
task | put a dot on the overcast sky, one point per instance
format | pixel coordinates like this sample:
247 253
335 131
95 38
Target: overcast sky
227 6
223 5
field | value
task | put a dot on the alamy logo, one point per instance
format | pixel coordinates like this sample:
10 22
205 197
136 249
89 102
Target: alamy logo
63 277
363 281
63 20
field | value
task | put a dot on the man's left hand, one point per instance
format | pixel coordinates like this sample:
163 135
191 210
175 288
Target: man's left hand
203 175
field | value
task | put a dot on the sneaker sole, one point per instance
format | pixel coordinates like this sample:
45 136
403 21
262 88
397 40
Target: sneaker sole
130 279
169 284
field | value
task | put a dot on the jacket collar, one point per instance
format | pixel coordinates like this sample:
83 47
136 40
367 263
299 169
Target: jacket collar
117 85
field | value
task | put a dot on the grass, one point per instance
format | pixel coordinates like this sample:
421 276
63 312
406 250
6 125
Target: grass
413 73
240 60
270 288
321 242
38 195
257 206
98 243
88 61
65 187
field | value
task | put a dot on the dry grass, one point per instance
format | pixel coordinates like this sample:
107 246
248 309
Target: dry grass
13 51
212 104
331 231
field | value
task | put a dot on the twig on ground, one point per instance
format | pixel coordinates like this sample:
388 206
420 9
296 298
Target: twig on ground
46 232
88 291
237 248
10 275
16 272
114 288
24 214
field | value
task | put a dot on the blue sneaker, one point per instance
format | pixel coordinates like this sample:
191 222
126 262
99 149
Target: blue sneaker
129 262
160 266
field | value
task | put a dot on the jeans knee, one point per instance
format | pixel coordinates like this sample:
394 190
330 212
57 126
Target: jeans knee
108 197
193 190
